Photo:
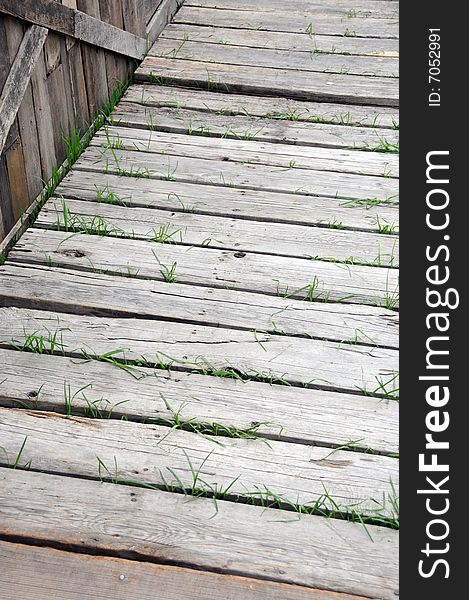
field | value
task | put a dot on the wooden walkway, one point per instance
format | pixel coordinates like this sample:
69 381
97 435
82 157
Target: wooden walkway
199 334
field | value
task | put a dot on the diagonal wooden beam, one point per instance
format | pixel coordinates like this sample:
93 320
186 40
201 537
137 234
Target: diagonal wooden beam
76 24
19 77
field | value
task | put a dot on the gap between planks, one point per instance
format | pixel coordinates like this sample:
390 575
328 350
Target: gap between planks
274 40
188 230
81 292
78 576
301 416
329 87
188 533
223 174
233 150
242 127
286 360
271 275
309 23
262 106
236 469
315 62
252 205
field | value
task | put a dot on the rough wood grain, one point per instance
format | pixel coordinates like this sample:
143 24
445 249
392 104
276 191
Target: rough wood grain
62 19
94 62
161 456
44 120
163 14
284 41
255 205
81 292
286 59
287 156
246 176
272 275
357 89
239 540
253 128
188 229
71 576
26 116
321 24
361 8
315 363
303 416
268 108
18 79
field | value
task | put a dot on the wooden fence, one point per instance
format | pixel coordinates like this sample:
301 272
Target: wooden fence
60 60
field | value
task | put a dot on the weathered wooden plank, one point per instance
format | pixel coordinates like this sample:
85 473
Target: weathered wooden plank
240 175
72 576
299 361
298 61
273 275
225 233
44 118
94 62
161 456
18 79
308 23
26 114
16 166
327 418
268 108
359 89
60 122
357 8
252 128
60 18
287 156
239 540
254 204
78 85
163 15
284 41
112 12
80 292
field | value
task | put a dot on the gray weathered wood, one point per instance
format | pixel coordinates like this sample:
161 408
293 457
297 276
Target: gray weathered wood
80 292
60 18
161 17
224 174
322 24
284 41
272 275
252 128
315 363
161 456
261 106
314 417
254 205
287 156
26 115
357 89
18 79
54 574
362 8
240 540
225 233
311 62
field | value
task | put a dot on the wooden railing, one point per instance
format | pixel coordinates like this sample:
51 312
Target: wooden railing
60 60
